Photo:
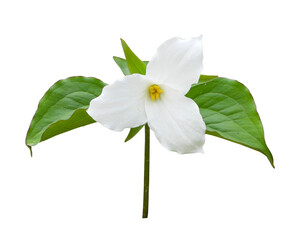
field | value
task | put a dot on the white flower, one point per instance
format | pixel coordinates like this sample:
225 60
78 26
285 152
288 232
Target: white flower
158 98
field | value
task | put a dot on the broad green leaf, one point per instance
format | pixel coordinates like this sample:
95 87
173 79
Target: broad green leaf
206 78
78 119
135 65
229 112
63 108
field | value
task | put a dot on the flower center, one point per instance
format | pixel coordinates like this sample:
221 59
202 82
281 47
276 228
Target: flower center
155 90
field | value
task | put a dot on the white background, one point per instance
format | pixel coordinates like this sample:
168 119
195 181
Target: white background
87 184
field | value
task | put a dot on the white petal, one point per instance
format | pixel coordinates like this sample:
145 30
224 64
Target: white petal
177 63
121 104
176 121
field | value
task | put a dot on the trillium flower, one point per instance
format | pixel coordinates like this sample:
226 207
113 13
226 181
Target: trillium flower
158 98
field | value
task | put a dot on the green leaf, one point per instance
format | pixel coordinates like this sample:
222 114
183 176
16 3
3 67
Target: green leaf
206 78
135 65
229 112
133 132
63 108
122 63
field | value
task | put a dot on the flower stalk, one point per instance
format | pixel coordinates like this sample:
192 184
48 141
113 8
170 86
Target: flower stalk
146 172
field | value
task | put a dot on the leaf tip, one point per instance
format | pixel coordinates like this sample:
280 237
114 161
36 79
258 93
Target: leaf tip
270 158
272 163
124 44
127 139
273 166
30 149
116 59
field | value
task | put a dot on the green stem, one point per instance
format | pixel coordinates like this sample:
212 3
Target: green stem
146 171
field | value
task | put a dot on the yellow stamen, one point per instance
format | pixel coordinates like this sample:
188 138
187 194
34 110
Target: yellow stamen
155 90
